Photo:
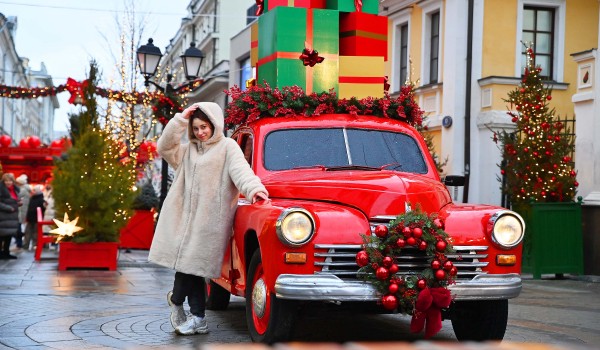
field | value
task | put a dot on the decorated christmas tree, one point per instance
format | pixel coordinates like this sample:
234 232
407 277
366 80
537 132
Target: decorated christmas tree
91 183
537 158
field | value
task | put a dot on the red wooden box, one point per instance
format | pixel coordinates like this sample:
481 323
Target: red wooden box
139 231
99 255
363 34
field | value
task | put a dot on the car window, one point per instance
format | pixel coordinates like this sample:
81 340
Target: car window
334 147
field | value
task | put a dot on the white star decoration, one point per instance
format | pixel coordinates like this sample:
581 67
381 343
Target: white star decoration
66 227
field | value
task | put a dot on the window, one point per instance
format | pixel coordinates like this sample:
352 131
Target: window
538 29
403 53
245 72
246 146
251 14
434 44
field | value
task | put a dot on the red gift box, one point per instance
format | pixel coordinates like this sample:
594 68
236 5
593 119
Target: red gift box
315 4
363 34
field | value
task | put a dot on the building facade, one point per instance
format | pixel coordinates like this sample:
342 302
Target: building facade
22 117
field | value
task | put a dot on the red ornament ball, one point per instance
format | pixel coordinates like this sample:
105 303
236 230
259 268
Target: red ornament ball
439 223
34 142
387 261
453 271
406 232
576 184
5 141
422 245
448 265
400 243
436 264
440 274
393 269
440 246
522 90
382 273
411 241
417 232
389 302
393 288
548 97
421 284
362 258
381 231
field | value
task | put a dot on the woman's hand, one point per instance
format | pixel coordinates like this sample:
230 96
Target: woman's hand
260 196
187 113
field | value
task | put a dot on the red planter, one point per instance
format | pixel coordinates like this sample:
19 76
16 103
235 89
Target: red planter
99 255
139 231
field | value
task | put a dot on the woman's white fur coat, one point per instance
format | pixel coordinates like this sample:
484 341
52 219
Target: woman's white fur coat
196 219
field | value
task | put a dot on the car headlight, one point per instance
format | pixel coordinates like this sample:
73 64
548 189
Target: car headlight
295 226
508 228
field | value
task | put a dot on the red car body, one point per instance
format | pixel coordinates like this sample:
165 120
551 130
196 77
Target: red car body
343 203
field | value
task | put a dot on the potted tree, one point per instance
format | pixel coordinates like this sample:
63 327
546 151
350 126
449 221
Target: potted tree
139 231
540 178
94 186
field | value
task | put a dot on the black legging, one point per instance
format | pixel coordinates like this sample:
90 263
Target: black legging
192 287
5 245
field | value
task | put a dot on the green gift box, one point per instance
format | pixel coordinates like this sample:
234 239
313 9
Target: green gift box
282 35
368 6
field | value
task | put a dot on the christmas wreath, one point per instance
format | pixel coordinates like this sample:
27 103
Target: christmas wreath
165 107
421 294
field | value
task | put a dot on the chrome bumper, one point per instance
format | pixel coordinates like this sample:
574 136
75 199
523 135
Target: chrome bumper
332 288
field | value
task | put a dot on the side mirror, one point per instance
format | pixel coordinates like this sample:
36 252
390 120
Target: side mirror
454 180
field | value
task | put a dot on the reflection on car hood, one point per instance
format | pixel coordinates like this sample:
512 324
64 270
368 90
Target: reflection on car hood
373 192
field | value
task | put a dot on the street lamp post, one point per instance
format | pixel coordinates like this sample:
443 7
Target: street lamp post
148 59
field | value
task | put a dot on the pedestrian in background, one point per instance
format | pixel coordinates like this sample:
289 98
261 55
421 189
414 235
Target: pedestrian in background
9 214
36 201
196 218
49 213
24 195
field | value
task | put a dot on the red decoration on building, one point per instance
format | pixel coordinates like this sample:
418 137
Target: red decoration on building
76 88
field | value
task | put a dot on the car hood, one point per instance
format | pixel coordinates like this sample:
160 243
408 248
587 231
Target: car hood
373 192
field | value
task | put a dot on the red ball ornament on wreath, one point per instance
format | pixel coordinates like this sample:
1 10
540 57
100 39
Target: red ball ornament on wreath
448 265
440 275
381 231
439 223
5 141
382 273
422 245
407 232
387 261
421 284
440 246
417 232
453 271
436 264
411 241
362 258
393 288
400 243
393 269
389 302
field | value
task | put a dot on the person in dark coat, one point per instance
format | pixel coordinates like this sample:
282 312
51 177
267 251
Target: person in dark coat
9 214
36 200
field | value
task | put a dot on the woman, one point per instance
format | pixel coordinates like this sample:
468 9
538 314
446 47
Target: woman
196 218
36 200
9 214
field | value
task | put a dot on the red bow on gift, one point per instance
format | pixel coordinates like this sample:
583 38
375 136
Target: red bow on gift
260 7
428 310
358 5
76 89
309 56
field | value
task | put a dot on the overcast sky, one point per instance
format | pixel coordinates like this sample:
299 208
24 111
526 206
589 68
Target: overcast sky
67 34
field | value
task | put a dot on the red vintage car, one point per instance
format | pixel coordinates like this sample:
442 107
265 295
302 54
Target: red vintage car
332 178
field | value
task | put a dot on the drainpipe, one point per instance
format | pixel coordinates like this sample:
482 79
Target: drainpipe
468 100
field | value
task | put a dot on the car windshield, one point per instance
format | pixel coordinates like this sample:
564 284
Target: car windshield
342 148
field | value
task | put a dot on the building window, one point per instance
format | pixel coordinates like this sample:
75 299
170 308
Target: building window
403 53
245 72
538 29
251 14
434 44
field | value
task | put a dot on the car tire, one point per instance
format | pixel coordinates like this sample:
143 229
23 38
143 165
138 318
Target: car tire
269 319
217 297
479 320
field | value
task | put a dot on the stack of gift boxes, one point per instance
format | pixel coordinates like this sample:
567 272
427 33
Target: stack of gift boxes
348 35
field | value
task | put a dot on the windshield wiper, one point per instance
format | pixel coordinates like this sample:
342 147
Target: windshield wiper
393 165
352 167
322 167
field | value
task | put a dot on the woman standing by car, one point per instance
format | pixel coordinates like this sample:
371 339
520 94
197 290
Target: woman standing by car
196 217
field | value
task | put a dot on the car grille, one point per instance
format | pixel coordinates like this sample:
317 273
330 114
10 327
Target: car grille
340 260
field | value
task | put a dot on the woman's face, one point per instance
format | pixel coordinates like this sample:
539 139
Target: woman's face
201 130
8 182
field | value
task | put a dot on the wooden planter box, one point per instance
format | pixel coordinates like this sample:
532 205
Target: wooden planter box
139 231
99 255
553 238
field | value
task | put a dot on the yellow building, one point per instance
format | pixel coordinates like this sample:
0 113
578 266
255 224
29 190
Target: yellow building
467 55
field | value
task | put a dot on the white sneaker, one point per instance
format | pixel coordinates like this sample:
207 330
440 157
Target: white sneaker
177 314
193 325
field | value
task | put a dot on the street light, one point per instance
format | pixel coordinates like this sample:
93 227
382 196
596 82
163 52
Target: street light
148 59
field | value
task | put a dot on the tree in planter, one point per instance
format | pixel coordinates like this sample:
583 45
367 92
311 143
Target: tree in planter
91 182
537 159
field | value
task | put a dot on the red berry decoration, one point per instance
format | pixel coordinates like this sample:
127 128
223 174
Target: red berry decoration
448 265
417 232
393 288
411 241
440 246
440 275
400 243
382 273
422 245
381 231
389 302
421 284
362 258
387 261
436 264
393 269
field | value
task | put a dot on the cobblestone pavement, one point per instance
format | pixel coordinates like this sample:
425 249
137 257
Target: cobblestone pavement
43 308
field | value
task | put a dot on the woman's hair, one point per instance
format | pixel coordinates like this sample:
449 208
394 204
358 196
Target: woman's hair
8 176
199 114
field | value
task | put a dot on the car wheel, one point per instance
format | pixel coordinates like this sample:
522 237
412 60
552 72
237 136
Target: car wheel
480 320
217 297
269 319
